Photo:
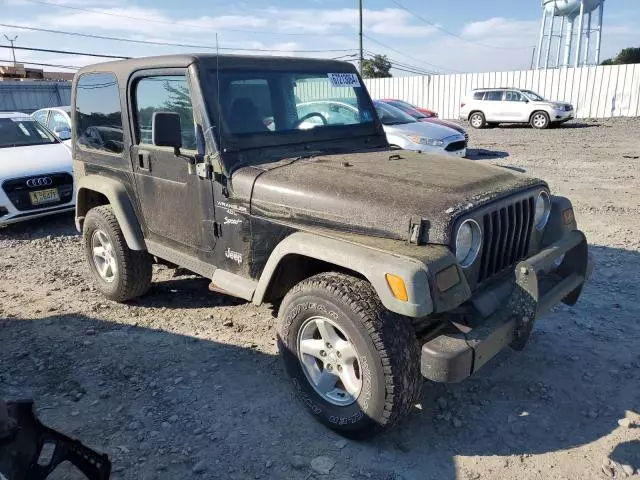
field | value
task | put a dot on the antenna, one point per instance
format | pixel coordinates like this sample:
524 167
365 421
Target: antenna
218 106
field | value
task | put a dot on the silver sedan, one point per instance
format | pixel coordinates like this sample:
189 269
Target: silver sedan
403 131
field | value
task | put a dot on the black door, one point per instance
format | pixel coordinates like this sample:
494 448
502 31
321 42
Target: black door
177 204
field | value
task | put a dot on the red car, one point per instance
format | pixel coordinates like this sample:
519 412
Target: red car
401 104
419 115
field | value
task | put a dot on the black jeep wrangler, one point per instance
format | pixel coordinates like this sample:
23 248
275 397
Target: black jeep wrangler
387 265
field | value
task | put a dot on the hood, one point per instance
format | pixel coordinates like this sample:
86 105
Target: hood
424 129
549 103
444 123
34 160
375 193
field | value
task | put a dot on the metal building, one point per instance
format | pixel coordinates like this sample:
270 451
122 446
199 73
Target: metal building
28 96
565 33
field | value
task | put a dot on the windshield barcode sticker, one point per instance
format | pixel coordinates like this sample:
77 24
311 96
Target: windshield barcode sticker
343 79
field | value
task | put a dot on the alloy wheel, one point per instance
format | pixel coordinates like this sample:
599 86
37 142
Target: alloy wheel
103 256
329 361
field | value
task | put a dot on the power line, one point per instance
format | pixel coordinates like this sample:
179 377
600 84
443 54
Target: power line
448 32
165 22
418 69
168 44
64 52
345 57
44 64
438 67
401 66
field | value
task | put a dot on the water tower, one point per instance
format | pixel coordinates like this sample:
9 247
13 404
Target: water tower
569 23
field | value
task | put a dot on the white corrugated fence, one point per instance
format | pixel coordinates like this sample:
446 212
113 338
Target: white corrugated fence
595 92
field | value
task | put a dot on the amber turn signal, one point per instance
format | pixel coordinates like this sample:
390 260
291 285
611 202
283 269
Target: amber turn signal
397 286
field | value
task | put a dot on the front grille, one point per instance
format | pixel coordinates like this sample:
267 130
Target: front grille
507 232
455 146
18 191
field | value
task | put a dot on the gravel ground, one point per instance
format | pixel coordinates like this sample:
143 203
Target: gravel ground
185 383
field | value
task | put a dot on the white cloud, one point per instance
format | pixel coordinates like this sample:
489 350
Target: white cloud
145 20
500 27
389 21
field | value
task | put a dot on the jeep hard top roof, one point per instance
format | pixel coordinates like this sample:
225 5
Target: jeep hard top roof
123 68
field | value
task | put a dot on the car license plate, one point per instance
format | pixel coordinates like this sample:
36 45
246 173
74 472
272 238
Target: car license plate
44 196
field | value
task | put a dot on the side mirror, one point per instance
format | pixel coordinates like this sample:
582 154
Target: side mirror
166 131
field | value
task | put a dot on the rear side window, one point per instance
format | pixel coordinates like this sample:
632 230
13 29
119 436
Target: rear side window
98 114
478 95
494 95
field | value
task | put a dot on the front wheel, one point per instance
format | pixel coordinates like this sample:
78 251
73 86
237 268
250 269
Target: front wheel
354 364
540 120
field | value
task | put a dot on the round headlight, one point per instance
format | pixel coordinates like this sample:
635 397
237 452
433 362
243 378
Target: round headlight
543 209
468 242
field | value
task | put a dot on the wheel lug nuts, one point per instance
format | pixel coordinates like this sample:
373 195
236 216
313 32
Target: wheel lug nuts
338 354
323 353
339 368
329 367
329 346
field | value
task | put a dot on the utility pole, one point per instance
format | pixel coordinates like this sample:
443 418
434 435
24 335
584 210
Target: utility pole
11 40
361 53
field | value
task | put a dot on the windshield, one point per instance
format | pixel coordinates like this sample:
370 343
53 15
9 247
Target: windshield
390 115
268 103
406 108
23 131
533 96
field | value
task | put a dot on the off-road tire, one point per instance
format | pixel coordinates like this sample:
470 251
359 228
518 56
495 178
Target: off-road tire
134 270
477 120
537 125
385 341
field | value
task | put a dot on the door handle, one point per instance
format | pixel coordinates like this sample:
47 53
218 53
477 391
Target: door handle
143 160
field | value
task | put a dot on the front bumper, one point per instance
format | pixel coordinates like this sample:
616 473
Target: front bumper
561 115
538 286
13 212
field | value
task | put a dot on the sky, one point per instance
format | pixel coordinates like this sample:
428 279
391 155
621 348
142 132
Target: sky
417 35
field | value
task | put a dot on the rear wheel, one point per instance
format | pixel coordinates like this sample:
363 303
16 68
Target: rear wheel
118 272
477 120
540 120
354 364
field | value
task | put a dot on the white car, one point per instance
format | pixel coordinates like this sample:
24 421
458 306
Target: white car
492 106
56 119
402 130
36 176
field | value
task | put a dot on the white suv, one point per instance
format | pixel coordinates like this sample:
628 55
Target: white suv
491 106
36 175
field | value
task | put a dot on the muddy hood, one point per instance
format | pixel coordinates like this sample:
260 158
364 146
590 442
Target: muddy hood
375 193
